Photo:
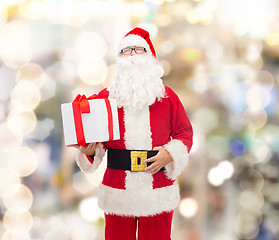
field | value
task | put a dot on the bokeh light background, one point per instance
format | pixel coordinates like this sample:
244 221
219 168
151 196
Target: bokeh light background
222 59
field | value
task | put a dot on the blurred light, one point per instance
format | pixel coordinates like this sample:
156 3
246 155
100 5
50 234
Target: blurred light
25 96
63 72
157 2
222 236
33 9
21 122
81 183
200 81
163 20
109 78
218 146
217 175
257 98
214 51
18 196
14 39
2 112
99 8
17 56
259 150
202 13
17 220
24 165
59 228
31 72
7 3
270 135
3 15
247 224
7 179
166 66
76 14
15 236
265 79
254 49
251 200
252 179
90 44
89 209
210 116
93 70
237 148
272 39
271 191
191 54
226 168
257 118
8 140
43 129
49 89
139 9
14 33
6 85
247 17
197 139
166 47
188 207
192 17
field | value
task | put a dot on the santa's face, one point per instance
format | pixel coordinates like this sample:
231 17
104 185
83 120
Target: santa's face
137 80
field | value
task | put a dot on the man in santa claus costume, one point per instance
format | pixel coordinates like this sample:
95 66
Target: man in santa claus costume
139 193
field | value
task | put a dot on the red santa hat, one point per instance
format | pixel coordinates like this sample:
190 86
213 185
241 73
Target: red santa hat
137 37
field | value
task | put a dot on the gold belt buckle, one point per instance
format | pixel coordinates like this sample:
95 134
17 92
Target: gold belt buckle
137 158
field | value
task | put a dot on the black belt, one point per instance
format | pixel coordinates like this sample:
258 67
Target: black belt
131 160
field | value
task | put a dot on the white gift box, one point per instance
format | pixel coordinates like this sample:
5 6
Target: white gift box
95 123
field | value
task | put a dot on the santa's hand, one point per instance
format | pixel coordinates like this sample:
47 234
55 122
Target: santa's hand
89 149
161 159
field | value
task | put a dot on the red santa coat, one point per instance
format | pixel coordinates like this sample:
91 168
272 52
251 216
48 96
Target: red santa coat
164 123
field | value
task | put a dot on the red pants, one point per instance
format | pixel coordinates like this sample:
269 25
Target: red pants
156 227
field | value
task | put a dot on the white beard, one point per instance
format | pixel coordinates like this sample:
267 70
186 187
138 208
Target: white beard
137 82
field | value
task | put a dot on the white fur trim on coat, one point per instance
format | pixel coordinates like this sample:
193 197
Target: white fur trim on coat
133 40
137 126
84 164
180 156
139 199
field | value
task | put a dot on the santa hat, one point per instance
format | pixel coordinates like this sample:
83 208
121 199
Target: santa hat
137 37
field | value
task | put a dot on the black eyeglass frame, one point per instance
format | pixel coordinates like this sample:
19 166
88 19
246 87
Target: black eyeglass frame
133 49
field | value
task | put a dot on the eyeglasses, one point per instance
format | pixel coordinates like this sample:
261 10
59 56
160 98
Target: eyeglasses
129 50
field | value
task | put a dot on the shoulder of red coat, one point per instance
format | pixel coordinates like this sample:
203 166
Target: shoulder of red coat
169 92
103 93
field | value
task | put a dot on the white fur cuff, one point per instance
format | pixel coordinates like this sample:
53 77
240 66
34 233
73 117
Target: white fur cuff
83 162
179 153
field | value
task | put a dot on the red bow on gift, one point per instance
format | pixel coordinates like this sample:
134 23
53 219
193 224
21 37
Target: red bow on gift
81 105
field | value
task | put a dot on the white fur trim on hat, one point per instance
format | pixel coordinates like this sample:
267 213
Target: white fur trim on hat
180 156
83 162
133 40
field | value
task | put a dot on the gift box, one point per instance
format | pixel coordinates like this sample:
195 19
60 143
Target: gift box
88 120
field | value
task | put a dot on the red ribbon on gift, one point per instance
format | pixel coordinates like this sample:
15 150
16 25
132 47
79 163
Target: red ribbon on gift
81 105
